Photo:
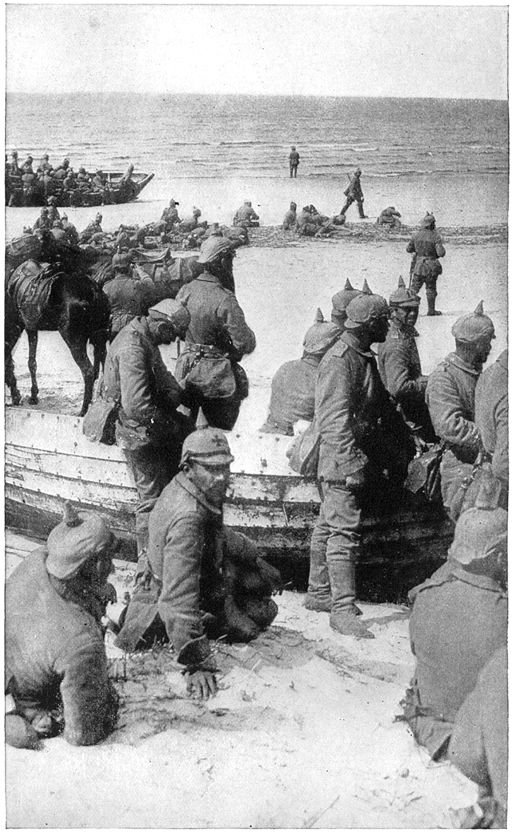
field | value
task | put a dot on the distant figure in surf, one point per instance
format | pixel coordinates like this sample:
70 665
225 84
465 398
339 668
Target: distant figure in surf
294 161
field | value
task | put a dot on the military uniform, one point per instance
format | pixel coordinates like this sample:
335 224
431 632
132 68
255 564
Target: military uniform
128 298
148 428
492 416
450 397
218 326
428 246
184 576
54 648
479 743
71 232
245 217
390 217
289 222
350 400
294 161
354 193
292 395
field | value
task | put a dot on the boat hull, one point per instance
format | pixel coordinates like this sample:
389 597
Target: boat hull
48 460
115 195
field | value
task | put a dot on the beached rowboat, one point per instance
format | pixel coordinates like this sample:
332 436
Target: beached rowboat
116 192
48 459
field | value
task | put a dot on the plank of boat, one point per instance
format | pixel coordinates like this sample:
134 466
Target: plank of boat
48 459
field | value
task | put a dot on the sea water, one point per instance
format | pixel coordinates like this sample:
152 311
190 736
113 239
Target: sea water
448 156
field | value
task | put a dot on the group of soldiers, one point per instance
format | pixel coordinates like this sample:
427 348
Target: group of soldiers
195 578
45 181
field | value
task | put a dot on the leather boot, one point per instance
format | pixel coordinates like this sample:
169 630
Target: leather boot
346 621
317 604
432 311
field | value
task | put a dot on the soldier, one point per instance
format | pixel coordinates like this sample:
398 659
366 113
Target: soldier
217 338
294 161
129 296
71 232
83 179
458 620
94 227
427 246
399 364
56 667
190 223
61 172
450 397
27 165
354 448
148 427
53 212
479 744
99 181
492 418
341 300
169 218
245 216
289 223
306 224
353 193
44 165
43 220
390 217
294 383
58 232
187 566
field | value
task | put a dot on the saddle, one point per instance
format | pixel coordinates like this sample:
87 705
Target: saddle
29 287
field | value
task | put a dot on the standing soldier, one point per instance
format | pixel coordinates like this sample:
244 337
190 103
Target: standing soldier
294 161
353 193
148 427
427 246
450 397
217 338
399 364
53 211
129 296
71 232
354 448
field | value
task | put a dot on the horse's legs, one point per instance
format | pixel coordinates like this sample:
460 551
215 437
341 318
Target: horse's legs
34 390
99 353
10 378
77 347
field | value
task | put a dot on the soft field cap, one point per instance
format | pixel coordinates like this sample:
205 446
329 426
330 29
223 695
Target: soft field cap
365 308
471 328
212 248
208 446
172 311
79 536
477 533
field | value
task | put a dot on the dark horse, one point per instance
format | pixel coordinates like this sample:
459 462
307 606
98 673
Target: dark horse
51 298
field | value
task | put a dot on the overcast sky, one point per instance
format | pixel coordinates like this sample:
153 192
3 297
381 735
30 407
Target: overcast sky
434 51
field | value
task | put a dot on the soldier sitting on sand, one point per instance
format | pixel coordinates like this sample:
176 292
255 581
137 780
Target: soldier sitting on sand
92 230
290 220
390 217
55 662
245 216
198 574
191 222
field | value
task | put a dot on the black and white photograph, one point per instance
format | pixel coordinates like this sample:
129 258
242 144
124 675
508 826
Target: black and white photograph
256 462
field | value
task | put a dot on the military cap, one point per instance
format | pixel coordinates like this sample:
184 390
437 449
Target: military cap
30 159
214 247
64 216
404 297
364 309
79 536
197 212
358 171
52 200
173 202
208 446
82 170
248 202
171 310
44 210
341 299
428 220
292 204
98 216
57 224
320 336
478 532
473 327
45 156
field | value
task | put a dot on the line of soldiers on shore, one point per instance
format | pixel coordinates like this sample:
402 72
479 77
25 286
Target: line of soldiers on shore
195 578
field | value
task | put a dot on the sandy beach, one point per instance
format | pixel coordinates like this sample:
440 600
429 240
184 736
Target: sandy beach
263 752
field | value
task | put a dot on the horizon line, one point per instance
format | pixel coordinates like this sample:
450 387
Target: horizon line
259 95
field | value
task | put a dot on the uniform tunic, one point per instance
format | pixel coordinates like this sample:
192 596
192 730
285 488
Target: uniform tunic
128 298
428 246
292 395
457 622
245 216
55 646
450 397
492 415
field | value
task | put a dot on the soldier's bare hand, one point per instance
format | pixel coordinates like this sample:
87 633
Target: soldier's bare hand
201 684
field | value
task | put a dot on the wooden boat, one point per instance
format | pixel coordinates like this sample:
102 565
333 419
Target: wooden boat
48 459
116 192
